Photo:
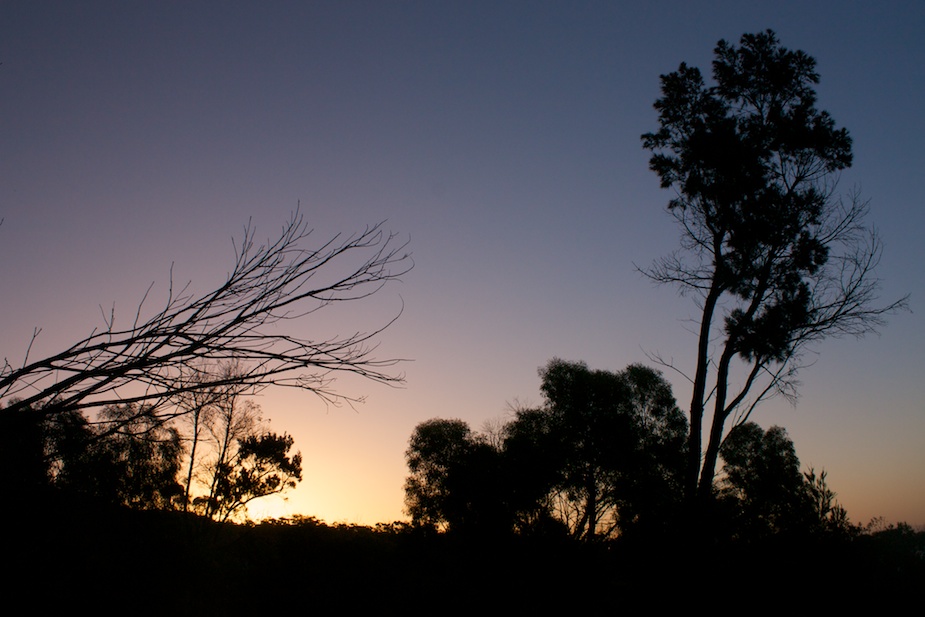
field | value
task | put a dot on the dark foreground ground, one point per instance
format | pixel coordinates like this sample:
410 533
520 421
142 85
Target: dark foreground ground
65 557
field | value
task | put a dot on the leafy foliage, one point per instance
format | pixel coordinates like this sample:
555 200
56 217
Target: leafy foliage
436 449
455 478
100 416
826 513
129 456
604 454
762 474
617 439
262 466
766 492
126 457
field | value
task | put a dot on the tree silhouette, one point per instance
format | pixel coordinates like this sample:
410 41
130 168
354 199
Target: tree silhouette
614 442
231 422
825 514
762 478
199 409
776 262
239 460
34 446
766 494
532 460
455 481
261 466
154 361
603 455
436 448
128 457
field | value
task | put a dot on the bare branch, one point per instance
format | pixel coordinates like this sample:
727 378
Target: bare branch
241 320
668 364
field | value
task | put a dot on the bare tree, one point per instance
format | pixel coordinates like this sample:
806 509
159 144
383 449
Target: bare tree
243 320
234 421
198 411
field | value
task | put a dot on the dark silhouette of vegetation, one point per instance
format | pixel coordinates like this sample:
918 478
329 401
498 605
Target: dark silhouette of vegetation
226 434
436 450
101 418
824 512
109 558
261 466
131 455
128 456
775 260
603 459
764 492
614 443
455 480
603 455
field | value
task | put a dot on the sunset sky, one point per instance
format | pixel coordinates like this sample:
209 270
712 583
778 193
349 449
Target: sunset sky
503 140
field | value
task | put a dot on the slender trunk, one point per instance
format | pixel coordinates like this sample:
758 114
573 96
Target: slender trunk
192 458
720 411
592 506
700 387
220 467
705 489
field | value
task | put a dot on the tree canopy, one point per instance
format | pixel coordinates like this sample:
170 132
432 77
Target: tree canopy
602 456
455 478
765 493
617 440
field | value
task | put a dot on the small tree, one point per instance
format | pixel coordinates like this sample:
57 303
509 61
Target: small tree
602 456
232 457
766 494
533 463
197 414
260 467
454 477
762 480
776 262
614 441
826 514
232 421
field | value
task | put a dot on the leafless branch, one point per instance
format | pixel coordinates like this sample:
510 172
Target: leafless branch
241 320
668 364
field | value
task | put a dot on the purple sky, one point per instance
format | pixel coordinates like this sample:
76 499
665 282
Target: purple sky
502 138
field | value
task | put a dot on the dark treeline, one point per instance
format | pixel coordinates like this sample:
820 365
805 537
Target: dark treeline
211 460
604 458
580 496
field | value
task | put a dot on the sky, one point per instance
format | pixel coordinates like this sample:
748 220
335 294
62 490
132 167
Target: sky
502 139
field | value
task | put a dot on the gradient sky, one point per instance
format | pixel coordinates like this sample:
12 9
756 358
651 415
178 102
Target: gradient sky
502 138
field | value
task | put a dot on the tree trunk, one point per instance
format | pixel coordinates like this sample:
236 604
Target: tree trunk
592 506
700 388
711 456
192 458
